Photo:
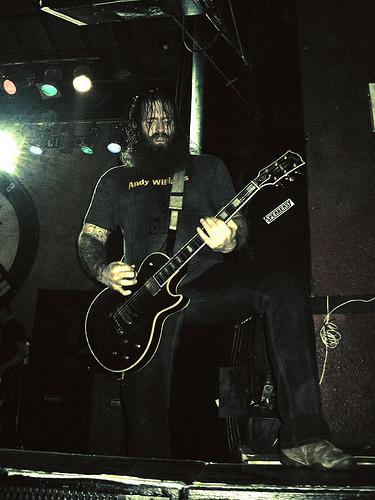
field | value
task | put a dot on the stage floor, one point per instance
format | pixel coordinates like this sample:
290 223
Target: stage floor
29 473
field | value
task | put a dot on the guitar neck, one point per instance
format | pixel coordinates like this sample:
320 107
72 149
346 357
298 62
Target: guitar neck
282 168
195 244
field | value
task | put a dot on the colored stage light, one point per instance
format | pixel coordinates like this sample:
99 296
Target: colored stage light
18 80
9 87
87 150
49 90
89 141
51 82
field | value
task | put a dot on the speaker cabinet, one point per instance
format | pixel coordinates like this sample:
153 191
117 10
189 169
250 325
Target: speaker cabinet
105 420
55 411
70 404
58 384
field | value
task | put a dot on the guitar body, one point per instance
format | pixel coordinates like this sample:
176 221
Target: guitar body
123 333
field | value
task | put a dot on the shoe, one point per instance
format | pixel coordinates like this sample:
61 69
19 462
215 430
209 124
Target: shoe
321 454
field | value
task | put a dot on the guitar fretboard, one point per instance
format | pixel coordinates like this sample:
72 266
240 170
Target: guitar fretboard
195 243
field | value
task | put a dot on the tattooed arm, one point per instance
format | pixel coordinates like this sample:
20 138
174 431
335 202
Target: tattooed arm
91 247
92 252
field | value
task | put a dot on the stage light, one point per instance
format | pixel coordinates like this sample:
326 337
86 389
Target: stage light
89 141
114 147
18 80
35 149
50 85
9 152
87 150
82 79
116 139
9 87
37 142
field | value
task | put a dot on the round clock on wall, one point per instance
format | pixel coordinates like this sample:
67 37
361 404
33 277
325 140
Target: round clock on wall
19 232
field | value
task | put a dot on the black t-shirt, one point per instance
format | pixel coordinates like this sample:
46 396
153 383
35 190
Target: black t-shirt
139 206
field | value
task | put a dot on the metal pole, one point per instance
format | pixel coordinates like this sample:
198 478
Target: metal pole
197 98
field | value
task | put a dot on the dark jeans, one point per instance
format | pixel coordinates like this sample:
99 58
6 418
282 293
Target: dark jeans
234 291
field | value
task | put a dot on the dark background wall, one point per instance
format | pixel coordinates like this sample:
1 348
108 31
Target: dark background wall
336 47
337 43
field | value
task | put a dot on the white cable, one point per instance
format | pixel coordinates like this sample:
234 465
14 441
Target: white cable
329 333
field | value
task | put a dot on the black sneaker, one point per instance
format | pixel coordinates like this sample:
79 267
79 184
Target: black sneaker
321 454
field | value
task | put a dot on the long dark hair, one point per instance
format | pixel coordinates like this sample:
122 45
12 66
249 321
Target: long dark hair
141 105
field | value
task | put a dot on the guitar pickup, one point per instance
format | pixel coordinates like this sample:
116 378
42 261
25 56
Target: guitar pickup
128 315
121 316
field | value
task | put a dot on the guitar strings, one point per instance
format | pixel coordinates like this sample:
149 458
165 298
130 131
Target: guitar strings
144 290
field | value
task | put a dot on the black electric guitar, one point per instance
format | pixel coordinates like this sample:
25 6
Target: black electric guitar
123 333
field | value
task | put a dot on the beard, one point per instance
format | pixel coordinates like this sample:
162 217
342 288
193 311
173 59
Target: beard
160 159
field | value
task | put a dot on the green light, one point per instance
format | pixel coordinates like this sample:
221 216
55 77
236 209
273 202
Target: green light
87 150
49 90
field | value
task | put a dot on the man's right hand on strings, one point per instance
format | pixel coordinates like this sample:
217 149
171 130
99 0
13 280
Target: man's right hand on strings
119 276
91 246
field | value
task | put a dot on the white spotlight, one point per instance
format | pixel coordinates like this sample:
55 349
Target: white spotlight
114 147
35 149
116 138
82 79
9 152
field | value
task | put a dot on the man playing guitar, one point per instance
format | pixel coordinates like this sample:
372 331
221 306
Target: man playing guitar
134 197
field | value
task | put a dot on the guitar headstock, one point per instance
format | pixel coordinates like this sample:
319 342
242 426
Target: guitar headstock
284 168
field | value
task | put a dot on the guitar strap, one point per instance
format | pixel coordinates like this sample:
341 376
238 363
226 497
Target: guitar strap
175 206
